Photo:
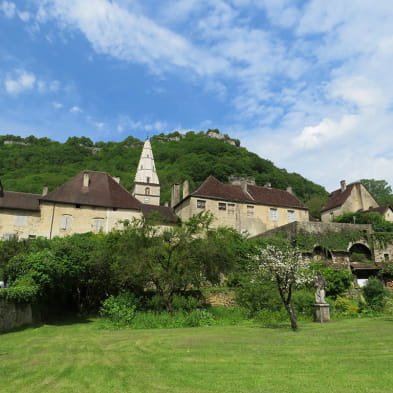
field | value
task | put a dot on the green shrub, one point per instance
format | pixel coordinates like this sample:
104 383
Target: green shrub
200 317
229 315
186 303
20 294
375 293
388 306
256 296
120 310
358 257
338 281
304 301
345 307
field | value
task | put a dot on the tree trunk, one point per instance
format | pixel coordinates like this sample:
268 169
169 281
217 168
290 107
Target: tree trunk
292 316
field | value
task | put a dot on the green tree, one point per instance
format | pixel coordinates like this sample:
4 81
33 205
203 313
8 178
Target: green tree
286 267
170 260
375 293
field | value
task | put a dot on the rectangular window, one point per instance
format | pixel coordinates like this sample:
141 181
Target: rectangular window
222 206
231 208
66 221
98 224
386 257
291 216
201 204
250 211
273 215
20 220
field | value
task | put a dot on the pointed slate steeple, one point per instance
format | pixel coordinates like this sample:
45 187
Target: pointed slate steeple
146 184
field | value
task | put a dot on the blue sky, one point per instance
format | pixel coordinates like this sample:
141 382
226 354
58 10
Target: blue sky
305 83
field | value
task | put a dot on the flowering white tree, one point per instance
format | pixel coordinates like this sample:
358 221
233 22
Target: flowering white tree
287 268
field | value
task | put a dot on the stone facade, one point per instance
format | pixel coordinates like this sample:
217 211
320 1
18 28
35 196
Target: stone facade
20 223
60 219
349 198
242 206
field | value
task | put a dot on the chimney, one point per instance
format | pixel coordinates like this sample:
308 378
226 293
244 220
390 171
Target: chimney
243 184
268 185
1 190
290 191
86 179
343 185
116 179
186 188
44 190
175 194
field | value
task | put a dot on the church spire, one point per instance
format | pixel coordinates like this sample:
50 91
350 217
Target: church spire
146 184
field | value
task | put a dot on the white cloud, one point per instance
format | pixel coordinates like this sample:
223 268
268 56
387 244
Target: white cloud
57 105
99 125
125 124
115 31
76 109
9 9
24 16
23 81
20 81
326 130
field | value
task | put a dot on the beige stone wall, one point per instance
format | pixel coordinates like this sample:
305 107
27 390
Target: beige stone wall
359 199
83 219
22 223
249 218
388 215
139 192
384 254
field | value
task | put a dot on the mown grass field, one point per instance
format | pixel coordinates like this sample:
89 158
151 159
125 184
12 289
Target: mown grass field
346 356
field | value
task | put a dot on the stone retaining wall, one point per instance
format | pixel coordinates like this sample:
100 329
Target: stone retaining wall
13 315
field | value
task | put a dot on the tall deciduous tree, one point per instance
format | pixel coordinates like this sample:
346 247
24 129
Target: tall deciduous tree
173 259
380 189
286 267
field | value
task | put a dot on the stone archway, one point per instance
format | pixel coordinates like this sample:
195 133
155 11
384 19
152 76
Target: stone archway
320 254
359 251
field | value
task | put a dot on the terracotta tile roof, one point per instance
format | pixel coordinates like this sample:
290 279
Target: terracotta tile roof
20 201
102 191
274 196
167 214
338 197
213 188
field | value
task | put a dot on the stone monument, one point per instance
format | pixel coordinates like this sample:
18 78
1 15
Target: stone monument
322 308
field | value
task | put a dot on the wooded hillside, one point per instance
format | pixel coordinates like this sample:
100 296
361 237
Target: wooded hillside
26 164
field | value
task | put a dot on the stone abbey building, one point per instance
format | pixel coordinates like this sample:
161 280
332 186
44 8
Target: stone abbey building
95 201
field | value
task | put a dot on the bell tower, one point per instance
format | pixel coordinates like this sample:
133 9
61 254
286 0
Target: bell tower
146 184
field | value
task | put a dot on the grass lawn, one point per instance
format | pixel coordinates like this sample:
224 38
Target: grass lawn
346 356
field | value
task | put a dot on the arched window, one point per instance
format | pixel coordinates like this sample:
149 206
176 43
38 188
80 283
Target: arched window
147 191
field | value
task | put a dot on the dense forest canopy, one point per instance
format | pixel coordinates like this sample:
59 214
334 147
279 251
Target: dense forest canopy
26 164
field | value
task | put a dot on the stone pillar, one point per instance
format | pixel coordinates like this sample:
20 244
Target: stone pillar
322 312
